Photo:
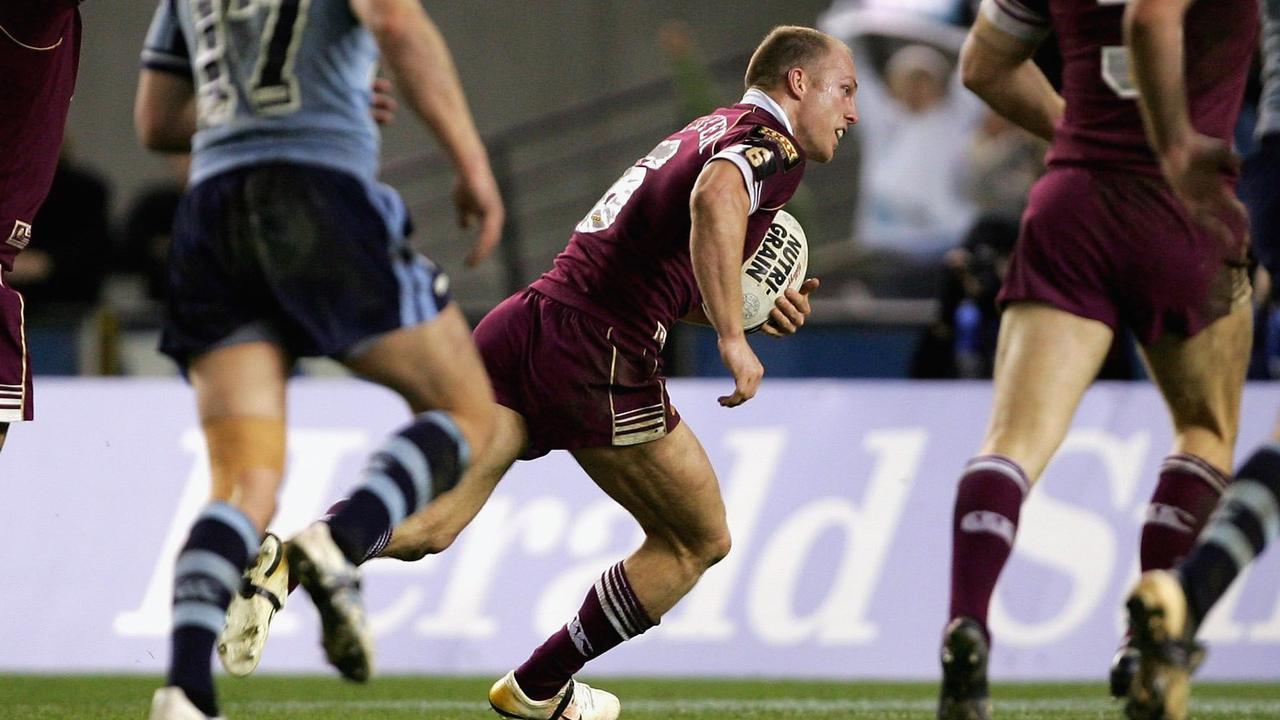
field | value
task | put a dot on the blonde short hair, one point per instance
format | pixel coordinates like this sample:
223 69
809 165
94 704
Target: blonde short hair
784 48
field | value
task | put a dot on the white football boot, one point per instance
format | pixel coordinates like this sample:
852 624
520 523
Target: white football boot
334 585
170 703
263 589
575 701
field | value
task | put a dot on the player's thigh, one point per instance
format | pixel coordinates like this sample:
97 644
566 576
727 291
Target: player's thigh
1202 378
1045 360
243 379
4 433
668 485
434 365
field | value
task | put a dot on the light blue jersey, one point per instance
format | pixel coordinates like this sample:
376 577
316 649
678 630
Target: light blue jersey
275 80
1269 105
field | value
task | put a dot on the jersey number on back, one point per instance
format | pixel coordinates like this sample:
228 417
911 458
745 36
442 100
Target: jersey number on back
273 89
606 209
1117 70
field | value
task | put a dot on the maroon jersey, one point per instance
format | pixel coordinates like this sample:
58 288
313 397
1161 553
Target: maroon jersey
39 57
1102 125
628 261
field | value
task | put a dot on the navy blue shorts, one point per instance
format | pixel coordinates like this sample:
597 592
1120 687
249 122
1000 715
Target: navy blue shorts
311 259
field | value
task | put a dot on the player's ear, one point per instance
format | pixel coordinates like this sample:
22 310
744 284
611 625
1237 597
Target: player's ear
797 81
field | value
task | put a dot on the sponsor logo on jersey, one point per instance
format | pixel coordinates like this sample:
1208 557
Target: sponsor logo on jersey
758 157
20 236
784 144
773 262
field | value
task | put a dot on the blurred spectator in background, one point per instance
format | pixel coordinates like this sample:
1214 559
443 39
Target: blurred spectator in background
914 204
65 270
1004 162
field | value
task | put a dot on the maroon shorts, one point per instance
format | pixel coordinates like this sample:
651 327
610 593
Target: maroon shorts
576 381
1119 248
15 363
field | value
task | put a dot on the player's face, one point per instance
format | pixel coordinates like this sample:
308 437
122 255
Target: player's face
826 108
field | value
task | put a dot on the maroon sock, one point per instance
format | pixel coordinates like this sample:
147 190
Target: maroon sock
610 614
1186 495
986 520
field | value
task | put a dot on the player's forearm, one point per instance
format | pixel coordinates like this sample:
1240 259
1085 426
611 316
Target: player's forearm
414 49
719 214
1153 32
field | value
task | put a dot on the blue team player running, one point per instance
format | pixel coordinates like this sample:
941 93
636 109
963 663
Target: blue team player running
285 247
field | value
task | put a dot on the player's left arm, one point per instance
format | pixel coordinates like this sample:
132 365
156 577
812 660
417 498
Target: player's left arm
419 59
1153 31
164 111
719 207
1193 163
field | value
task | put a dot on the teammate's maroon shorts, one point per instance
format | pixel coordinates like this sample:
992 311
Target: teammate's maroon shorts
15 364
1119 248
577 381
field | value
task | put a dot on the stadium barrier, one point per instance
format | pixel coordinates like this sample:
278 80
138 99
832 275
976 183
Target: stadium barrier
839 495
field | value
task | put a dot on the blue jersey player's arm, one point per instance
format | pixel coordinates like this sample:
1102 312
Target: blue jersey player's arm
995 63
164 110
423 68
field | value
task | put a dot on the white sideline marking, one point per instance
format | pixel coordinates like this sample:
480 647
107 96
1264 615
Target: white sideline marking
1237 708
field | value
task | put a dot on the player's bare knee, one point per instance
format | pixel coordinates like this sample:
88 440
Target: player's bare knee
704 551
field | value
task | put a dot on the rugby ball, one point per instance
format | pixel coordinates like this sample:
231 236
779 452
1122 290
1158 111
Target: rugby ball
779 263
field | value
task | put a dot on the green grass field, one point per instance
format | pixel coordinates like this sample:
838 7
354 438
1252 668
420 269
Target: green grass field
391 698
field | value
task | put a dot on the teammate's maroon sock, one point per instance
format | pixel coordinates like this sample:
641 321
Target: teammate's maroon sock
986 520
610 614
1185 496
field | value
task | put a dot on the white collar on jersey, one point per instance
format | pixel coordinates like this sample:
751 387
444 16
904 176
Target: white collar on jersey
760 98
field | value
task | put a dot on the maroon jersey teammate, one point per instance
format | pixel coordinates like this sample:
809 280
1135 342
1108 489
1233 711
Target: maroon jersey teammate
575 364
1105 243
39 57
1166 607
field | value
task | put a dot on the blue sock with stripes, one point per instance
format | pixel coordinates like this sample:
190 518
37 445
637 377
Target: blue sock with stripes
221 543
414 465
1247 519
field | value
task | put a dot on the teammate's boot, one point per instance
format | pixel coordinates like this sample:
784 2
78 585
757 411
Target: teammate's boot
964 672
170 703
575 701
263 589
334 585
1159 630
1124 667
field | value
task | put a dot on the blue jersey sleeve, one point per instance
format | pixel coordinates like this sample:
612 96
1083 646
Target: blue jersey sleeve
165 48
